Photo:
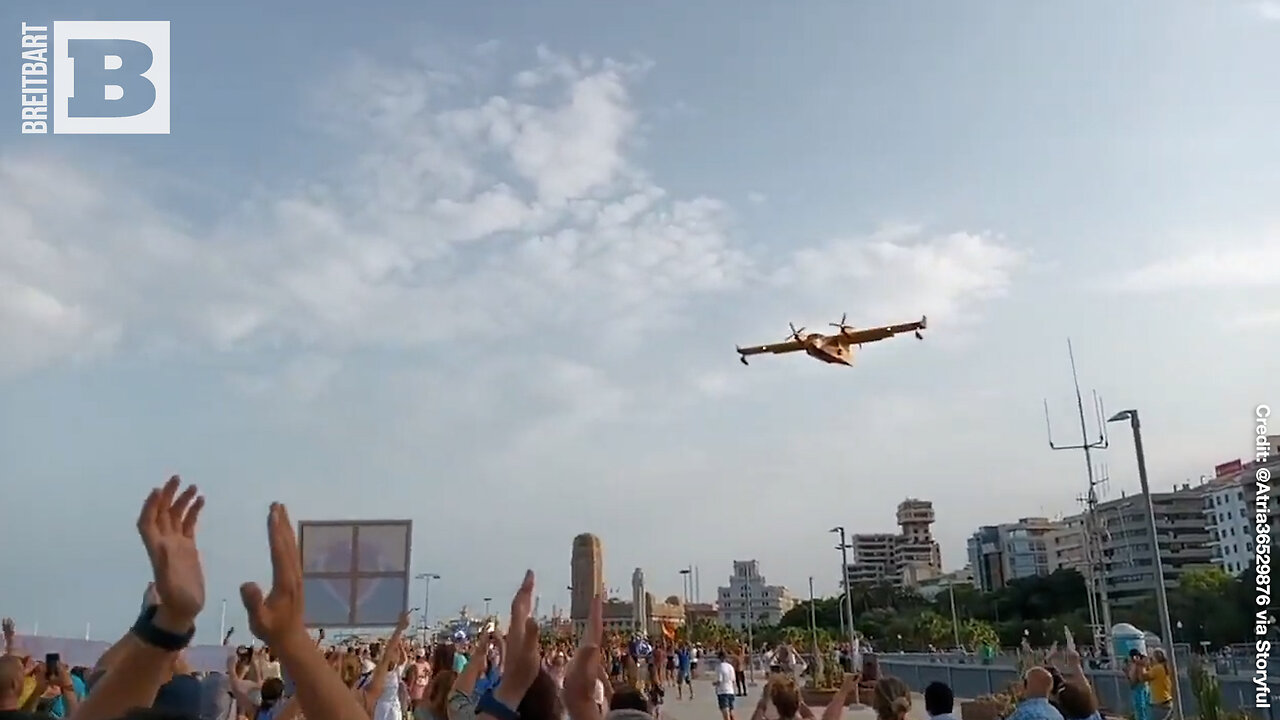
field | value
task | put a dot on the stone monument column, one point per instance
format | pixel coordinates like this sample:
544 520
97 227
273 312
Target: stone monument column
639 613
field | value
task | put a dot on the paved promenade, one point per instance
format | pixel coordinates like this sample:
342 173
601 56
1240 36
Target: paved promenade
704 706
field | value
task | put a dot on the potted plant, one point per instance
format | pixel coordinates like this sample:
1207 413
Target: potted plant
824 680
1204 684
824 684
991 707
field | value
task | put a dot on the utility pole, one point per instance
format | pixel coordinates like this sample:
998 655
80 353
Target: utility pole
1095 556
843 547
751 640
955 620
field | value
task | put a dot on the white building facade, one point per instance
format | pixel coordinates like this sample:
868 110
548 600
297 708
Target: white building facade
1230 502
749 599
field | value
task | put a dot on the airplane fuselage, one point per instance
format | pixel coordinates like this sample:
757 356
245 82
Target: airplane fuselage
828 350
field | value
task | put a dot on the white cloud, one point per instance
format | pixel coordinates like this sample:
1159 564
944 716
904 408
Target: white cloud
518 219
446 220
1256 320
1256 265
900 273
1267 9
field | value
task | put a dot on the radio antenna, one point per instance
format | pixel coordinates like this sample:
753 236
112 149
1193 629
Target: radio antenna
1095 565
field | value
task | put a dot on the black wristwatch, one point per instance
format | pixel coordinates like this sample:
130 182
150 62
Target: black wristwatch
145 630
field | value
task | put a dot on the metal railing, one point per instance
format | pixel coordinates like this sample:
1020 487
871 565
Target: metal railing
970 678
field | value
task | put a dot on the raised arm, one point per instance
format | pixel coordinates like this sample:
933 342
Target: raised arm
501 646
1073 669
70 700
580 676
238 686
465 683
167 525
277 619
835 708
390 656
10 636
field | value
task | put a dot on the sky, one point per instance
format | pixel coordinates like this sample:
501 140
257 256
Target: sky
483 265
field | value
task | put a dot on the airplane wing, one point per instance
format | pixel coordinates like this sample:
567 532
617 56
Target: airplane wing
775 349
857 337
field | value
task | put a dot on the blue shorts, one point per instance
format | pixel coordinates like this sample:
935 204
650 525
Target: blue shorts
725 701
684 677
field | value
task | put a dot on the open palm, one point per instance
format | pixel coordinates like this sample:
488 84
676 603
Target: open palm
167 525
279 614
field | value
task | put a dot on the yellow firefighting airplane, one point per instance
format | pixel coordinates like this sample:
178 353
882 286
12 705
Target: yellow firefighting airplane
836 348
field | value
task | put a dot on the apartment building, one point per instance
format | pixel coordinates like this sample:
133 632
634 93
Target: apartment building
1230 509
1001 553
1065 546
905 558
1128 550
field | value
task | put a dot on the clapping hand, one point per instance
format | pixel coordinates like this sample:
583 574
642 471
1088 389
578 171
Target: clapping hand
167 525
522 661
277 617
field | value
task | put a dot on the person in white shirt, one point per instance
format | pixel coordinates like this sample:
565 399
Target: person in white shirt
726 686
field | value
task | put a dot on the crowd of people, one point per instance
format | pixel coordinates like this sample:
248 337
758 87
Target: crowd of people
514 675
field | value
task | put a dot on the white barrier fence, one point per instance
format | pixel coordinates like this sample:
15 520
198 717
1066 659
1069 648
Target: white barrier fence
201 658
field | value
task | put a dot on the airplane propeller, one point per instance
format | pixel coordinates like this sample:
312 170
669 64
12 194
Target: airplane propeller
796 333
842 325
924 323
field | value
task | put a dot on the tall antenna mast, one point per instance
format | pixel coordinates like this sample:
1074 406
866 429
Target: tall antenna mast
1095 561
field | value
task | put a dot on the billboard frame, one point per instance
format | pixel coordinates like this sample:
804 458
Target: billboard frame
354 575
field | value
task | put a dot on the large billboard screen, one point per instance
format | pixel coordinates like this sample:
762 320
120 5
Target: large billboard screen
355 573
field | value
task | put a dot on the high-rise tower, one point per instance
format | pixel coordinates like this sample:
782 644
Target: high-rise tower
586 571
639 602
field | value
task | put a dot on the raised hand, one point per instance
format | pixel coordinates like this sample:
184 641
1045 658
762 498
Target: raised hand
402 624
64 678
167 525
580 675
277 617
522 661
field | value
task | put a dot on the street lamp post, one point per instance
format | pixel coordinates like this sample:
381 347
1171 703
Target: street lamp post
486 606
955 620
1162 598
686 576
844 580
813 616
426 601
751 641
